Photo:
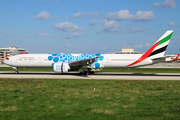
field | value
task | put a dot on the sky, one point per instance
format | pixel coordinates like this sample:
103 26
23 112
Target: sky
92 26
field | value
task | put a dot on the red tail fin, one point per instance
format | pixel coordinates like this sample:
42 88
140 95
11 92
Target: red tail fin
177 58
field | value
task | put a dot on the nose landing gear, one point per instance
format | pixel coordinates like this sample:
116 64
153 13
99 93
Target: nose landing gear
16 70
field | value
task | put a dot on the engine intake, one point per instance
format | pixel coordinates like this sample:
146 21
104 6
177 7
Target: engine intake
61 67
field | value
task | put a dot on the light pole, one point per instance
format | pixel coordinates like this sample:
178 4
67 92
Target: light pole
68 44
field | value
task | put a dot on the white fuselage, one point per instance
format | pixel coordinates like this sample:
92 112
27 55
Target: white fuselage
107 61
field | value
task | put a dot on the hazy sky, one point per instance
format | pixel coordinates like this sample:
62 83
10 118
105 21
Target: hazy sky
94 26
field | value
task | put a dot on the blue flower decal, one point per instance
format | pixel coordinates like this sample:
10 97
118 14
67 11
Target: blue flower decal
97 65
50 58
65 58
56 59
97 54
101 58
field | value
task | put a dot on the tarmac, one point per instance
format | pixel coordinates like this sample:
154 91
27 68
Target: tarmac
163 65
100 75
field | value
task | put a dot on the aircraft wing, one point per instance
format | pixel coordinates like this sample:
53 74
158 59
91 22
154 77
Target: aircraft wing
83 62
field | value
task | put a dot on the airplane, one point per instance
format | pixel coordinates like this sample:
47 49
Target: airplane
63 63
171 59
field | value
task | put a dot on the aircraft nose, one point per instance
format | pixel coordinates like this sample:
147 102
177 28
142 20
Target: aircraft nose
8 61
4 62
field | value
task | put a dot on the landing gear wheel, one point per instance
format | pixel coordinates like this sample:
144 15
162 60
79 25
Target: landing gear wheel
85 73
16 72
92 72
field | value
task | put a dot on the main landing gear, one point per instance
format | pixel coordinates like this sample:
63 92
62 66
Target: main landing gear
88 72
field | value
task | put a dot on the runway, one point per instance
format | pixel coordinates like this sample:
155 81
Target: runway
98 75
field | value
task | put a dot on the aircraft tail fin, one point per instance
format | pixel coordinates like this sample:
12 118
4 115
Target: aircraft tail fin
160 45
158 49
178 56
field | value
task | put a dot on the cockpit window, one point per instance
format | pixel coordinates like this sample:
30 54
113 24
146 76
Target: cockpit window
7 58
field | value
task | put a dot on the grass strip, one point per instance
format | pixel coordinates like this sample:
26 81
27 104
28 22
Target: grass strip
76 99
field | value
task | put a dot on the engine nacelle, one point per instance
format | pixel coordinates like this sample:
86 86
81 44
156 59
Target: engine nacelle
61 67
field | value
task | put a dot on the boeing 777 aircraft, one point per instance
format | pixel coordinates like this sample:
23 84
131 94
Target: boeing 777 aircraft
63 63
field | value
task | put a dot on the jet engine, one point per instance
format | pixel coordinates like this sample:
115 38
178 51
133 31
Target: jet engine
61 67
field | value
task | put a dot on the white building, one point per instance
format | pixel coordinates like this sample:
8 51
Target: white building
126 51
7 52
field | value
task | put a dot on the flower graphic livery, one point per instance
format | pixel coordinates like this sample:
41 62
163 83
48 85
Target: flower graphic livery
66 58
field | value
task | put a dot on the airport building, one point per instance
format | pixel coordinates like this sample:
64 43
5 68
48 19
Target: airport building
171 55
7 52
127 51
